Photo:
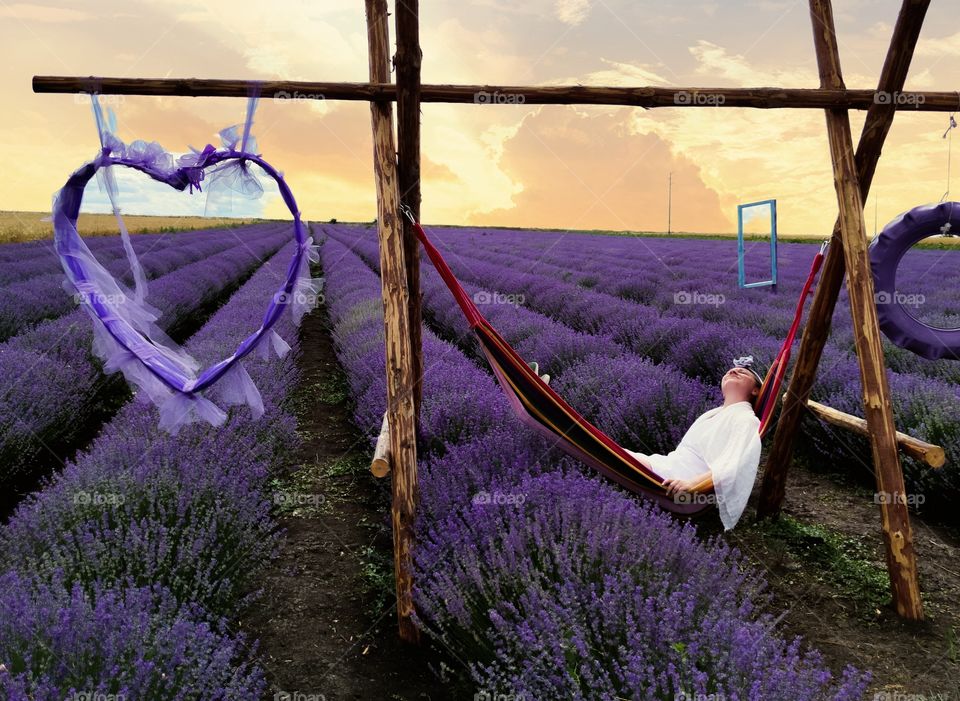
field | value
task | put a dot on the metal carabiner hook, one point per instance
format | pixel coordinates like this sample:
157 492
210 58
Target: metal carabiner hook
405 209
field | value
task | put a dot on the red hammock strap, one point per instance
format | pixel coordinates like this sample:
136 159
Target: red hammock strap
774 379
459 294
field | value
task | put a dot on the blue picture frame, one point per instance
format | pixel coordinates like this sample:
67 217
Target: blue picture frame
741 275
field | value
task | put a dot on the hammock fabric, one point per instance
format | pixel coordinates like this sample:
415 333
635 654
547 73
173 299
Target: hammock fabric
541 408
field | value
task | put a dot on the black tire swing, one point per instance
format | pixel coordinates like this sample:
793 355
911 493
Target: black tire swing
887 251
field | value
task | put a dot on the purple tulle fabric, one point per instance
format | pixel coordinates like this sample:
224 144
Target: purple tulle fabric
126 336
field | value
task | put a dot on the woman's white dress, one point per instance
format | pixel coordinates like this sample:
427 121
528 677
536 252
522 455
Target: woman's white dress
725 441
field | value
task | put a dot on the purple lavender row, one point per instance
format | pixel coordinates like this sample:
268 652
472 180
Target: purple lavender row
27 302
110 248
40 248
169 531
44 260
44 255
840 348
639 261
926 277
555 345
751 308
41 257
926 407
652 282
50 381
24 250
612 267
550 583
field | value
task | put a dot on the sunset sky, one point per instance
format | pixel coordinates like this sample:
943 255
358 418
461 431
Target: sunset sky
518 165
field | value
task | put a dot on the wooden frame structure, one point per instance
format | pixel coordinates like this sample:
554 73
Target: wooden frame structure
398 183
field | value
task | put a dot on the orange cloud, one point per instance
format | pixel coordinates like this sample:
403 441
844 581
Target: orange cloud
585 170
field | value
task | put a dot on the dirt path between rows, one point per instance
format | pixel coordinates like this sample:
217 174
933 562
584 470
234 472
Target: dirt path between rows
327 619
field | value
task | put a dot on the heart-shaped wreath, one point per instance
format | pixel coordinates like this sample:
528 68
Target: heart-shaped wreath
125 335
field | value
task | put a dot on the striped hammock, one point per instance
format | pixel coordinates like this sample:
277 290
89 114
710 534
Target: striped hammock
541 408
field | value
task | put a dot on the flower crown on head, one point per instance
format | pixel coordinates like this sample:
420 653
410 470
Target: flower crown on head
746 361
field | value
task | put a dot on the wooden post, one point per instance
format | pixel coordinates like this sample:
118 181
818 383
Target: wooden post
878 409
875 128
407 62
400 411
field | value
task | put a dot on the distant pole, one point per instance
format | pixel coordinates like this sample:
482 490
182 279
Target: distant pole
669 200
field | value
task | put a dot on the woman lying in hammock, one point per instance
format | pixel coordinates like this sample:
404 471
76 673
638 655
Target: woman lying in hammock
720 452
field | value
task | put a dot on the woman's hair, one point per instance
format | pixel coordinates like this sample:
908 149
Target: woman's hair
754 398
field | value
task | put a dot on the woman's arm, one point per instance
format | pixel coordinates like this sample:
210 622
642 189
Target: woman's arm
699 484
702 484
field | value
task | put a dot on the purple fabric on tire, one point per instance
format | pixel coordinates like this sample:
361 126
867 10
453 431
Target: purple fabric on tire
886 252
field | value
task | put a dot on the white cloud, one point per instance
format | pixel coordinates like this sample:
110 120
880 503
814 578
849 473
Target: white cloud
943 47
572 12
620 73
41 13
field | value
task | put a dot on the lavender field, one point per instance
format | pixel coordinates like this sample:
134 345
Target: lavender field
129 568
122 575
50 379
594 311
573 594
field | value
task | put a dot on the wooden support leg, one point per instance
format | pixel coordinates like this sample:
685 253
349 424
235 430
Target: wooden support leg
878 409
407 60
877 125
400 409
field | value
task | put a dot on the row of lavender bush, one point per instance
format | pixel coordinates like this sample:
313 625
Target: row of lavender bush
670 278
577 323
925 393
645 260
669 283
22 260
122 574
50 381
547 581
39 297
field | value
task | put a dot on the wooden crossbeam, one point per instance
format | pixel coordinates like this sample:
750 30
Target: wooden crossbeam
928 453
400 409
484 95
817 328
878 408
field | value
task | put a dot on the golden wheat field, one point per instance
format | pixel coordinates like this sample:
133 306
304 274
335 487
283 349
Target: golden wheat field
28 226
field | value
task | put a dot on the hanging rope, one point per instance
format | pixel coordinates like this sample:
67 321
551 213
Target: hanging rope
948 135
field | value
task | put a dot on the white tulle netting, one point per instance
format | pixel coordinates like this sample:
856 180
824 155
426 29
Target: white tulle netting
126 335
